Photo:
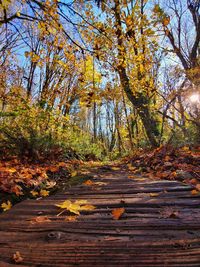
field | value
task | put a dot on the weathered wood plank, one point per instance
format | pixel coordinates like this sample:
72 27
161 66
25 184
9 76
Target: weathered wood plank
145 235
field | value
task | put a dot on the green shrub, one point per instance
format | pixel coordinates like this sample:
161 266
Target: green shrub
34 133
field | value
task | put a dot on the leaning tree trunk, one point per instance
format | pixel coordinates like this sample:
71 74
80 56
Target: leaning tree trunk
139 100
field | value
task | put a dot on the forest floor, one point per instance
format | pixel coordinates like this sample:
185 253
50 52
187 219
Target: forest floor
143 211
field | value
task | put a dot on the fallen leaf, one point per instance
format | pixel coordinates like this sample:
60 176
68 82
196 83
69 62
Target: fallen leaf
34 193
117 213
167 158
62 164
100 183
71 218
12 170
173 174
53 168
40 219
154 194
88 207
75 207
115 168
130 167
44 193
50 184
111 238
193 181
185 148
74 173
131 176
17 190
81 202
6 205
17 258
194 192
88 182
197 187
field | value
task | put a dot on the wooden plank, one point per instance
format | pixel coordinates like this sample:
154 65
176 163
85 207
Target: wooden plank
142 237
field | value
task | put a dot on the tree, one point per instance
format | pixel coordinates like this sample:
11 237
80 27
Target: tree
132 56
180 21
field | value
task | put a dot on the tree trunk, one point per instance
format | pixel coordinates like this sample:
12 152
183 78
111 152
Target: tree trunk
139 100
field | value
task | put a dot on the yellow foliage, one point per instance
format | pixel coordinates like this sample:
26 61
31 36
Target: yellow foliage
75 207
6 205
44 193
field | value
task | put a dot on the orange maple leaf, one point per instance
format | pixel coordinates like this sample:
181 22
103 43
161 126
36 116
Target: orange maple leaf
89 183
40 219
117 213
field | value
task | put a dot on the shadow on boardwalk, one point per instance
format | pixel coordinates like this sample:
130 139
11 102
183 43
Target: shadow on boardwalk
160 226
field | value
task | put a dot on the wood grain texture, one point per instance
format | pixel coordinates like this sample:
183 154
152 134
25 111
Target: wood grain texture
162 230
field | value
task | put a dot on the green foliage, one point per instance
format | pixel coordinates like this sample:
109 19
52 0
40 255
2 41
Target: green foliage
35 133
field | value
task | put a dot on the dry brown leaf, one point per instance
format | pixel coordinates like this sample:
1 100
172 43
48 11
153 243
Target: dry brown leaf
194 192
117 213
167 158
53 168
17 258
111 238
153 194
131 176
71 218
169 212
197 187
40 219
193 181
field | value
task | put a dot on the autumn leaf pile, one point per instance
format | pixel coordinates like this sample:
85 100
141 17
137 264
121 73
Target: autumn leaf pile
167 162
19 178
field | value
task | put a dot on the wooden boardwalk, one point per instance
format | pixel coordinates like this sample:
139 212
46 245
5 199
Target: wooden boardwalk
155 230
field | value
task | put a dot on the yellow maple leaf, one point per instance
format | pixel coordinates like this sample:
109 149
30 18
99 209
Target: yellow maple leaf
12 170
88 207
130 167
6 205
185 148
34 193
115 168
75 207
64 205
44 193
74 173
81 202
